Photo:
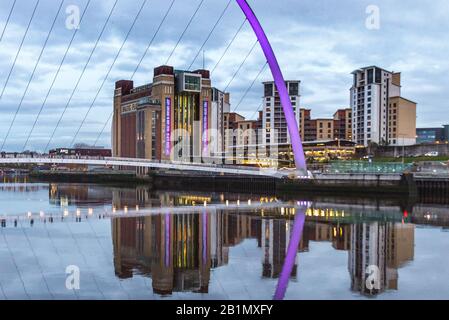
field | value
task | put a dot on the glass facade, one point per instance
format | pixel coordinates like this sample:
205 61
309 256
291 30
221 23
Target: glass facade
185 115
192 83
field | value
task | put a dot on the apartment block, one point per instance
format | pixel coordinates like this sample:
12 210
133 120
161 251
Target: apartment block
370 96
325 129
273 114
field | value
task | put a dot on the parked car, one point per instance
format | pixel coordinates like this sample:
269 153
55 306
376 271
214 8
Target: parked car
432 154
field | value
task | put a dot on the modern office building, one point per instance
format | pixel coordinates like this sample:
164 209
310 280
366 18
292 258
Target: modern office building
175 107
433 135
375 96
273 114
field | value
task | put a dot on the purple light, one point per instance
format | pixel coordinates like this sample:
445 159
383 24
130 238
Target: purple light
292 250
167 126
280 84
205 127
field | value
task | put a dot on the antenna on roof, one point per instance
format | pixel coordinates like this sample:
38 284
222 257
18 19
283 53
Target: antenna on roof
204 60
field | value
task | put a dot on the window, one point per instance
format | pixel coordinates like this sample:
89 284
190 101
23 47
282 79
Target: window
293 89
268 89
192 83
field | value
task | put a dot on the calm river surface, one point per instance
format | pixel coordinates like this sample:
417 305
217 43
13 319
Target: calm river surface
49 232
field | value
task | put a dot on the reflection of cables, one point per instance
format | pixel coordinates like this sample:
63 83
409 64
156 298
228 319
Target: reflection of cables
241 65
36 259
81 75
5 241
210 33
109 71
7 20
185 30
20 49
67 224
139 64
54 78
251 86
229 45
32 76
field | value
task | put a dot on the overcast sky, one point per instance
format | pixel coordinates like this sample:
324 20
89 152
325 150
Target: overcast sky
319 42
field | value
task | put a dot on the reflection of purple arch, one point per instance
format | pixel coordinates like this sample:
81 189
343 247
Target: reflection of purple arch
280 84
289 263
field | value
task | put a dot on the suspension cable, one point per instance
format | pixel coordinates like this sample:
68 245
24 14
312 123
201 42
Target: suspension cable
109 71
20 49
55 77
185 30
81 75
251 86
7 20
152 39
139 64
229 45
210 33
32 75
241 65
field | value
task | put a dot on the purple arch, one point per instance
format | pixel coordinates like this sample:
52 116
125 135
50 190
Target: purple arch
293 129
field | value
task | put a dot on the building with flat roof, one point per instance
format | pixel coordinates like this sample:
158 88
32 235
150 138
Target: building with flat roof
339 127
273 120
165 120
433 135
379 113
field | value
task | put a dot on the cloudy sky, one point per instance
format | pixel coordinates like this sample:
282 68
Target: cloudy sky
319 42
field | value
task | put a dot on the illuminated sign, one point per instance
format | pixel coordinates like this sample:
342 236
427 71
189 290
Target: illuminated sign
167 126
205 126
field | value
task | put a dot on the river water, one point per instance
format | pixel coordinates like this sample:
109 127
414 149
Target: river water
80 241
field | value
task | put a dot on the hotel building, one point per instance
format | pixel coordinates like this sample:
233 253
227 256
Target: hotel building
379 113
175 107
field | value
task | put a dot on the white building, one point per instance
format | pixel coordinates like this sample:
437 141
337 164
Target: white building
370 95
220 106
273 114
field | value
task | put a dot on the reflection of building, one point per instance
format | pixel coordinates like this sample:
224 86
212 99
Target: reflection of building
178 251
381 246
79 195
275 239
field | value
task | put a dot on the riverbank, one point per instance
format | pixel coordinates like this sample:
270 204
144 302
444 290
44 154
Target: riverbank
127 178
386 185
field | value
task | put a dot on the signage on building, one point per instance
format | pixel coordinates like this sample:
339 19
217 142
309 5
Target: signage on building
167 126
205 126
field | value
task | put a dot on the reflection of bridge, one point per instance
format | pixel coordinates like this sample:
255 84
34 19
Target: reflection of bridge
143 163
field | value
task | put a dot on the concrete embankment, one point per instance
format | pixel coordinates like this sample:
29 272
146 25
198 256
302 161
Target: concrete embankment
128 178
329 184
355 184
